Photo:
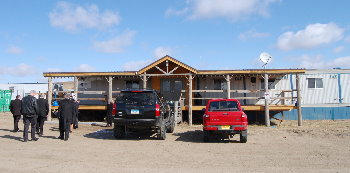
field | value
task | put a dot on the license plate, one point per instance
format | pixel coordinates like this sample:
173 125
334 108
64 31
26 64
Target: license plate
225 127
135 111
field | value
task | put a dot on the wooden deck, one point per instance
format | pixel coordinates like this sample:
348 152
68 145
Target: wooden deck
252 108
198 108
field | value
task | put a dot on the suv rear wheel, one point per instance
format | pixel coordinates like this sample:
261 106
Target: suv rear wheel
119 132
171 127
205 136
161 134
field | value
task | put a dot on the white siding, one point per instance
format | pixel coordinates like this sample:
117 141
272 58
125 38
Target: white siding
326 95
345 87
24 89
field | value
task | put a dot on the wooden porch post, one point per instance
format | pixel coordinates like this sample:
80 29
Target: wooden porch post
144 81
49 97
228 80
110 86
190 100
76 84
267 100
300 116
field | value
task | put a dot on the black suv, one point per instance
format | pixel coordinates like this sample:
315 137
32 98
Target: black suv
142 109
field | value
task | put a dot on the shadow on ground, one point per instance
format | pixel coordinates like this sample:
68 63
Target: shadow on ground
196 136
107 134
11 137
55 129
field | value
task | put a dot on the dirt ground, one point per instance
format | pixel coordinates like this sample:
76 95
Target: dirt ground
318 146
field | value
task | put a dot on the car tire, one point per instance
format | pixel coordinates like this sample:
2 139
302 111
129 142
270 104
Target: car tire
205 136
243 139
171 127
119 132
161 131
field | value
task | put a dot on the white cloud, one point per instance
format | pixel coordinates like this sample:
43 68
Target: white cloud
72 17
116 44
21 70
161 51
252 34
312 36
85 68
174 12
230 9
338 49
158 52
135 65
317 62
14 50
347 39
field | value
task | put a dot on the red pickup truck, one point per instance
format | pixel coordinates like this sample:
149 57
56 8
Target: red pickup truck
224 118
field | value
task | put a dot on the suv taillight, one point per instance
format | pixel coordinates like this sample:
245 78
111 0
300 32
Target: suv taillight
157 110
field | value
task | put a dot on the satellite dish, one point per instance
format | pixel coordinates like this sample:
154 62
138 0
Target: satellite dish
265 57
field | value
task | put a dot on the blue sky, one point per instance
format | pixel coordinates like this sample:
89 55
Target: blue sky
115 35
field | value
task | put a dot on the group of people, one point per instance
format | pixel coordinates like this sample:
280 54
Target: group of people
35 113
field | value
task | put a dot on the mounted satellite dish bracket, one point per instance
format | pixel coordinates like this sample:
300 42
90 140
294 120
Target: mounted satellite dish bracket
265 58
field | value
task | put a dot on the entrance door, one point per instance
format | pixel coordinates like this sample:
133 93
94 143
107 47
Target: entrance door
171 89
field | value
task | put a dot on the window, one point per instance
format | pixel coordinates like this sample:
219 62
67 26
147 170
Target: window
223 106
166 86
271 85
220 84
314 83
132 85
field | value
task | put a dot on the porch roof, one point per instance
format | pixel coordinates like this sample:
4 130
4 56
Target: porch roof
188 68
167 58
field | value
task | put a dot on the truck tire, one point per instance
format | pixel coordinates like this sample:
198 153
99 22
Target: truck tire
205 136
243 137
171 127
161 131
119 132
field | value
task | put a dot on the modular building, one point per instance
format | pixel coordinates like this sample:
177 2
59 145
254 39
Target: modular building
325 95
9 92
259 90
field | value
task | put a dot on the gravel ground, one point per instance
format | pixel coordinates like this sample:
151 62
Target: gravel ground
317 146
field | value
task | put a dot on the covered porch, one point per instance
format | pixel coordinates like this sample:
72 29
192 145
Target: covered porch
191 88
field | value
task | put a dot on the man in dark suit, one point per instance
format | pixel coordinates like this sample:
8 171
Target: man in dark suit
43 111
15 108
29 110
76 118
66 112
109 116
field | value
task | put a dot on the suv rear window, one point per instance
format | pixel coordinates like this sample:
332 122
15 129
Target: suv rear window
136 98
223 106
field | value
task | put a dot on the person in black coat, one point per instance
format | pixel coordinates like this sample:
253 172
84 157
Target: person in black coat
43 106
76 120
109 117
66 112
15 108
29 110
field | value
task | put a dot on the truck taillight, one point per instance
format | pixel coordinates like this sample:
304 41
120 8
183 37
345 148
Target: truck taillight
244 117
157 110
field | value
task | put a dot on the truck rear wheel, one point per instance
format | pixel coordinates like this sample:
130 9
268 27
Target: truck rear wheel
161 131
119 132
243 136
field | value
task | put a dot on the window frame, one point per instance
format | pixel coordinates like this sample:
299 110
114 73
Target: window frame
270 81
315 83
132 82
223 83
